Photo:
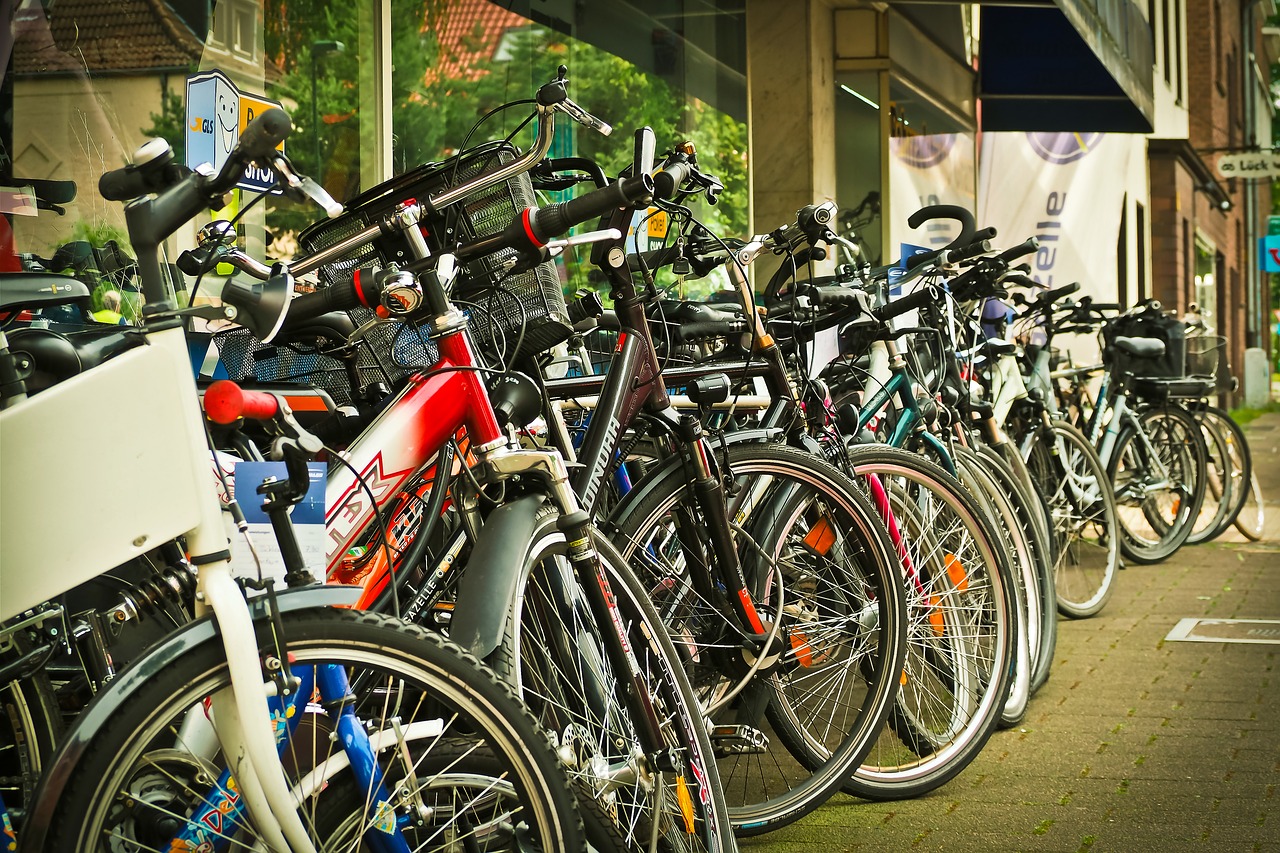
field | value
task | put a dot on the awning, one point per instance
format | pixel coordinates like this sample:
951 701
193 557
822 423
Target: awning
1067 65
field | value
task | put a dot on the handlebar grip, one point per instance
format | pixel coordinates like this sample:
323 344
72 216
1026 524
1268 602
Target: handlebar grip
920 298
225 402
973 250
667 182
947 211
707 329
1024 248
123 184
988 233
265 133
364 289
1106 306
921 258
547 223
834 295
1059 292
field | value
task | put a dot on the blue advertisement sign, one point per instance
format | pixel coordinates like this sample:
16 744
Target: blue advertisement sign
217 113
896 273
1269 253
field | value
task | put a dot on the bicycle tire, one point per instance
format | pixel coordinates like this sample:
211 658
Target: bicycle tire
1241 458
842 605
30 724
910 759
1155 515
550 650
1220 487
131 781
1251 520
1084 512
978 474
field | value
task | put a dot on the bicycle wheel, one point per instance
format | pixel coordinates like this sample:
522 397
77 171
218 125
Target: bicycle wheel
1251 520
1084 519
1157 471
30 723
1240 461
826 586
555 655
133 776
1013 539
960 637
1220 486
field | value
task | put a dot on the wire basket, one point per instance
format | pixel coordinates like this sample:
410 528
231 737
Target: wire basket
1203 354
383 355
512 316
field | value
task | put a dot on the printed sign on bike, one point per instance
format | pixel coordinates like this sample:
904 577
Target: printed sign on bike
217 113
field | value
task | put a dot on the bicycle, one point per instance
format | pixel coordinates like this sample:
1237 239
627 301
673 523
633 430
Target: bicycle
204 739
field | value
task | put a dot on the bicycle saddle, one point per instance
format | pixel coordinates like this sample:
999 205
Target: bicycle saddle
37 290
1140 347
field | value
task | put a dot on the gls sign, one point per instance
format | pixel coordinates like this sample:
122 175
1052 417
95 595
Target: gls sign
217 113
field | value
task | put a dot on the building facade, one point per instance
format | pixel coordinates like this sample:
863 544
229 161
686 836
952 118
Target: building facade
1093 124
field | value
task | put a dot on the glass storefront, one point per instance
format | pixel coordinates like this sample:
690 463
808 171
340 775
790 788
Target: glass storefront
374 88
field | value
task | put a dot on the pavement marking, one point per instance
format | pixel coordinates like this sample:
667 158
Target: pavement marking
1227 631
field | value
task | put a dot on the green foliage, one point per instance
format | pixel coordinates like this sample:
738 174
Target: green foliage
170 123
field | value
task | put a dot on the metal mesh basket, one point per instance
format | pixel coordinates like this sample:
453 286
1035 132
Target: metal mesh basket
1204 353
528 307
385 354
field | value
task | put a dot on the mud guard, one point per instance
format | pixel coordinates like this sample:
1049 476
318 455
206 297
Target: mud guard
487 589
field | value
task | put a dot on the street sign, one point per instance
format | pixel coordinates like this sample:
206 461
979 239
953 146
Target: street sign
1248 164
217 113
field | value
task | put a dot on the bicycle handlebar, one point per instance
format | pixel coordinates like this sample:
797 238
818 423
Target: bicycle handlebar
225 402
947 211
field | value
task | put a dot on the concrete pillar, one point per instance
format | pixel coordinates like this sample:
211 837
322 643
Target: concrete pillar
791 80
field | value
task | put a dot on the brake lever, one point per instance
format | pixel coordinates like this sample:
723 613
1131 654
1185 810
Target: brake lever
303 188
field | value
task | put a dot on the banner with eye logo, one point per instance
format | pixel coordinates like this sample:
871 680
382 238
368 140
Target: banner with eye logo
929 169
217 113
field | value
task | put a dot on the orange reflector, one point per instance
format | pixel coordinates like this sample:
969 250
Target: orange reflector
820 537
935 617
903 680
800 645
306 404
686 804
955 571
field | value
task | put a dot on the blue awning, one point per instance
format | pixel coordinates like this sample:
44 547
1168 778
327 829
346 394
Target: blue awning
1069 65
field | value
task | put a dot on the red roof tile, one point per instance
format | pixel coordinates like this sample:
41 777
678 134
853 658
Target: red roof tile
471 31
104 35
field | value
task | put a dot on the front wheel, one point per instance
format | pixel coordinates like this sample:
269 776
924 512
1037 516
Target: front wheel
1157 470
465 765
1083 506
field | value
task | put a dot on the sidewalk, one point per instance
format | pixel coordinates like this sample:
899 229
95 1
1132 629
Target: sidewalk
1136 743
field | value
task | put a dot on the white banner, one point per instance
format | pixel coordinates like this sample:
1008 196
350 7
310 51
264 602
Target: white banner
925 170
1066 189
1249 164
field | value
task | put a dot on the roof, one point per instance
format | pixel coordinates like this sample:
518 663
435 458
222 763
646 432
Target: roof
110 36
470 33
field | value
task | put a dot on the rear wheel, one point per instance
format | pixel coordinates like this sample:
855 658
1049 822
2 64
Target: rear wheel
793 718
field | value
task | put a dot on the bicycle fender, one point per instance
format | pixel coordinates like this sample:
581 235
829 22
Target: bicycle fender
487 589
109 700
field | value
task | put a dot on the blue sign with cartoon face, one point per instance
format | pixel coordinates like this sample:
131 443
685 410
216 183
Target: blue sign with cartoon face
217 113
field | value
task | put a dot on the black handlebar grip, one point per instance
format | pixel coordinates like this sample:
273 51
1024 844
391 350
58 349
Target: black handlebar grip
988 233
123 184
1017 278
656 259
947 211
668 182
1106 306
834 295
921 258
978 247
920 298
708 329
264 133
549 222
1059 292
198 261
1024 248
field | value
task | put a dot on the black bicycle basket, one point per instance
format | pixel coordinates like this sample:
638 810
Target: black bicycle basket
527 307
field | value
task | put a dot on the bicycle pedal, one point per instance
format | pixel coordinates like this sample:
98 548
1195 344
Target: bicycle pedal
738 740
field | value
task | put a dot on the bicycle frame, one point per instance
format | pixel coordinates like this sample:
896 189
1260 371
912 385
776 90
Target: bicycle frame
894 381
